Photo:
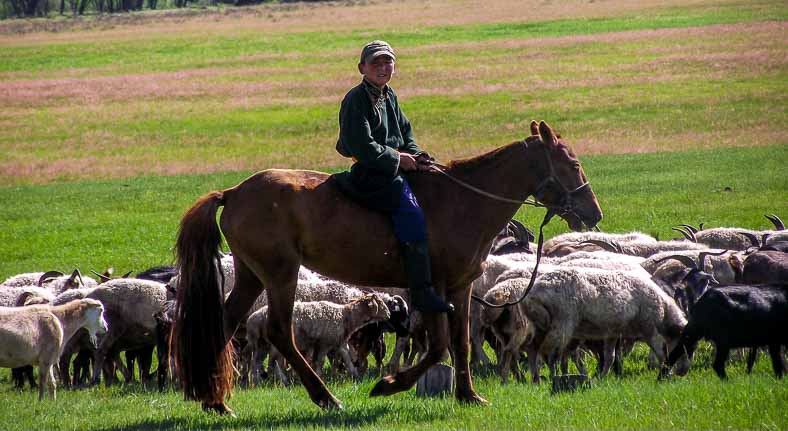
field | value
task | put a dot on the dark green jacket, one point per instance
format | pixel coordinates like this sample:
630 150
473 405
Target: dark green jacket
373 136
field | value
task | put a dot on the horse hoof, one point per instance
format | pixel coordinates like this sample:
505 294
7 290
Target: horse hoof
386 386
220 409
473 399
330 404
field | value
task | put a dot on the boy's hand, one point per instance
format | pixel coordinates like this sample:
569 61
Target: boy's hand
407 162
424 162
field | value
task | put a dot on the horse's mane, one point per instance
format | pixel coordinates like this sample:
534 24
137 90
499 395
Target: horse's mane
472 163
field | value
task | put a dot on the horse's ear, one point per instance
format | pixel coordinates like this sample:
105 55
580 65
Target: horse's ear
534 128
546 133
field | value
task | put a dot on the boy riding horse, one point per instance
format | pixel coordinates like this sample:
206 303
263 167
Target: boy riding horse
374 131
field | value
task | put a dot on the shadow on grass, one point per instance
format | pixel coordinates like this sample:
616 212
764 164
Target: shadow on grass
298 419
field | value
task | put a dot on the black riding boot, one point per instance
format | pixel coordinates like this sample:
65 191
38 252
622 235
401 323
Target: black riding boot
417 266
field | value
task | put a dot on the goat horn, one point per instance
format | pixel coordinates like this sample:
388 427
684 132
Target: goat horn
687 233
126 275
686 260
778 224
47 275
103 277
525 234
76 274
753 239
702 258
690 228
606 245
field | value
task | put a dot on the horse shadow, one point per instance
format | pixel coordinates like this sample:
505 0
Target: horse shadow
299 419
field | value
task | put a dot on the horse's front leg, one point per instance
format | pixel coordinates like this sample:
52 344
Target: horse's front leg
435 323
460 343
281 285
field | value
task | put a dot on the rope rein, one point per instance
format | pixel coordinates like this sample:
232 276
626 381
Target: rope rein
546 220
440 169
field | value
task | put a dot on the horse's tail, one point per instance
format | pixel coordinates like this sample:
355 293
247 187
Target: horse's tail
200 348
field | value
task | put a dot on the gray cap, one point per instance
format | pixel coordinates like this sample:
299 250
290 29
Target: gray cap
375 49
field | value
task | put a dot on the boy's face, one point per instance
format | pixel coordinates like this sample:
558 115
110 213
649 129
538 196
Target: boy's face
379 71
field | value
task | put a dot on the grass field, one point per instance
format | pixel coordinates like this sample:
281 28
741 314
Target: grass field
110 127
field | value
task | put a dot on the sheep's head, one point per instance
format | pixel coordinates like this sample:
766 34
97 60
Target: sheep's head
374 308
398 309
94 319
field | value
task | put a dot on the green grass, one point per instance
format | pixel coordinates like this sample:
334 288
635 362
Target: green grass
130 224
698 401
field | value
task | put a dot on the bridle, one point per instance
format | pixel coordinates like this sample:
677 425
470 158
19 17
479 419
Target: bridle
565 206
567 203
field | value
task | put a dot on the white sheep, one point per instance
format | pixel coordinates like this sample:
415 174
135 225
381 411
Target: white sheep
566 243
595 304
55 281
130 305
35 335
14 296
320 327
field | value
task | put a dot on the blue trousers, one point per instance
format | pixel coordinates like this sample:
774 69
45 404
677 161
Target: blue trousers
409 223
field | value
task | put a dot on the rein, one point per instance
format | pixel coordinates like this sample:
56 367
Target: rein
546 220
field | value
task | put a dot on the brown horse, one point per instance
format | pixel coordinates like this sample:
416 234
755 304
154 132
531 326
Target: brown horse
277 220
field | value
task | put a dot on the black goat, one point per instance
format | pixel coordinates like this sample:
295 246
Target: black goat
763 266
736 316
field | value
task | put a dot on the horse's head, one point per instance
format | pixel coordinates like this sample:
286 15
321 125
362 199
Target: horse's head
564 187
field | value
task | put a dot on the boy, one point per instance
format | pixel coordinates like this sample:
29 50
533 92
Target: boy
377 135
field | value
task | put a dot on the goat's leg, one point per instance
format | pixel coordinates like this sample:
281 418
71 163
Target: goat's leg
618 360
31 379
43 379
400 346
752 355
777 360
104 349
608 356
532 350
345 355
478 356
720 357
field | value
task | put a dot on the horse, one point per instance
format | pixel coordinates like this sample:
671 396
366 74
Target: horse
277 220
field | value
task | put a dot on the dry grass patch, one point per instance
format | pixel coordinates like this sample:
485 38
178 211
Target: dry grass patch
323 16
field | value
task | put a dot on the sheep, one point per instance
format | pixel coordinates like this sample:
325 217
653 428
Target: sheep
735 316
130 305
732 238
670 269
55 281
14 296
507 324
320 327
595 304
563 244
760 267
494 266
35 335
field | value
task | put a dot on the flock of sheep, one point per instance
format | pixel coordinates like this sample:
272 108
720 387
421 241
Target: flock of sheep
595 293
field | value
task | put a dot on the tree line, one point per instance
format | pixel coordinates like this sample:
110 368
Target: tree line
44 8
